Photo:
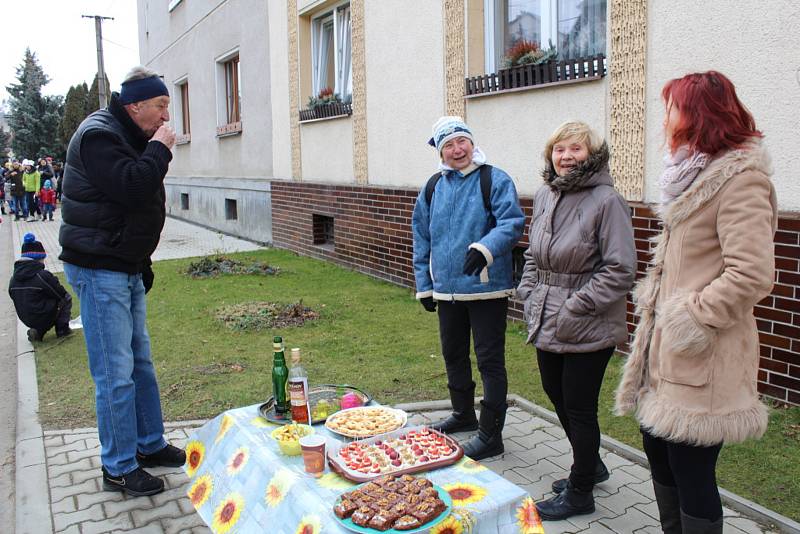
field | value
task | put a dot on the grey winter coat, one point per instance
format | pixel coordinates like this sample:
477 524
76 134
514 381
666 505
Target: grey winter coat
580 263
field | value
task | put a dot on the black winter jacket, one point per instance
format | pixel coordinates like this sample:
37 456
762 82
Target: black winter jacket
36 294
113 195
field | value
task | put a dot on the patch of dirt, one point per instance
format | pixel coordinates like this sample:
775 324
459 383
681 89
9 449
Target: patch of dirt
264 315
211 266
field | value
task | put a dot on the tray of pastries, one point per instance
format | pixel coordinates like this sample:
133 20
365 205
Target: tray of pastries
403 451
393 504
366 421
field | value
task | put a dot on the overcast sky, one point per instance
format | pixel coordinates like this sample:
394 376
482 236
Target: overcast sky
64 42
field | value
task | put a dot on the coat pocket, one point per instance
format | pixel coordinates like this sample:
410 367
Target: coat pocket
686 348
681 367
575 329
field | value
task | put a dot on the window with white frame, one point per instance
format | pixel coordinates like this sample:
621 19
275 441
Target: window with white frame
331 53
182 119
233 92
577 28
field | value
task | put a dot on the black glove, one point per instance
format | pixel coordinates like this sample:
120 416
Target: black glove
428 303
147 278
474 262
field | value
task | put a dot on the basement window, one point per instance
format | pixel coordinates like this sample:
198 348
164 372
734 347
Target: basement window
230 210
184 201
323 230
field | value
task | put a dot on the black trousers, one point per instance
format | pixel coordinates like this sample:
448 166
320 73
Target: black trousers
572 382
486 321
691 469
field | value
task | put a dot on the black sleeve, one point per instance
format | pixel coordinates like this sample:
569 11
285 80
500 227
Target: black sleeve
53 284
124 179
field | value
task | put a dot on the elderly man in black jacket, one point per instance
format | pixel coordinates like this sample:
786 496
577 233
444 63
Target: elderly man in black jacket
113 210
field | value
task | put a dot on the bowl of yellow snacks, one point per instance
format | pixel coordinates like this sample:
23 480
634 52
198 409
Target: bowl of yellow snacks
288 437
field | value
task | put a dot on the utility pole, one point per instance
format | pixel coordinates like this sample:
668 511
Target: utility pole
101 71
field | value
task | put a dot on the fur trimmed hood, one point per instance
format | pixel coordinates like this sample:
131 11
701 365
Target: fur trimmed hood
751 156
590 173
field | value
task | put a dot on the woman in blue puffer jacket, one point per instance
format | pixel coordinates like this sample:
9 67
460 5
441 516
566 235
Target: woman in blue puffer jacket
462 262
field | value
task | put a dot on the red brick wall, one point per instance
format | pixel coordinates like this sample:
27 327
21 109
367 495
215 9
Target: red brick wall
373 235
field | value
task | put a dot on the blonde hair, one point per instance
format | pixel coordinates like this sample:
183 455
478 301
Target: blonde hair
578 129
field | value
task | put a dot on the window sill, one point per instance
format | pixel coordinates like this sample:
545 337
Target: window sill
526 77
183 139
329 111
227 130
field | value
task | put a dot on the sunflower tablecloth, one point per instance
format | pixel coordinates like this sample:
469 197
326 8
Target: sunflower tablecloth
240 482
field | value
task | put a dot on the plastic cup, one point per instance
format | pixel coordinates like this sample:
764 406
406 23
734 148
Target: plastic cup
313 447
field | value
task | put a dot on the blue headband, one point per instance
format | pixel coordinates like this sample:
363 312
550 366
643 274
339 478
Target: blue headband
143 89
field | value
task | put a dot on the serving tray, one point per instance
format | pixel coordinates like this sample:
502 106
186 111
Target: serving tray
338 464
327 392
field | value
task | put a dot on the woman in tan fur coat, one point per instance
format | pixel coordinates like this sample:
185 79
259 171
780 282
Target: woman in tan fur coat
691 374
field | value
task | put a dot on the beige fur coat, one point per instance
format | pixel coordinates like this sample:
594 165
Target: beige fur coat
691 375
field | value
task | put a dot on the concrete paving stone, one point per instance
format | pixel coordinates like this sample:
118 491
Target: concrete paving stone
96 462
30 452
201 530
518 477
515 416
86 500
555 431
587 522
54 450
650 508
630 521
744 524
506 461
92 443
536 437
622 478
642 473
142 517
648 530
88 486
56 470
120 522
542 488
560 527
645 488
613 461
93 513
53 441
179 525
520 429
72 529
86 474
58 459
61 480
561 445
621 500
537 453
76 456
186 506
64 506
78 436
560 459
175 480
173 494
175 433
153 528
127 504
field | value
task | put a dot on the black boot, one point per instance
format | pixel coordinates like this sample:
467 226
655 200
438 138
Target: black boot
566 504
669 509
463 416
601 474
489 441
697 525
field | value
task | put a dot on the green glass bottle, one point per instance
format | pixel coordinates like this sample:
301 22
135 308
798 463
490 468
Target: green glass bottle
280 375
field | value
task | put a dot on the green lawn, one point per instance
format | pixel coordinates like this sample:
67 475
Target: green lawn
370 334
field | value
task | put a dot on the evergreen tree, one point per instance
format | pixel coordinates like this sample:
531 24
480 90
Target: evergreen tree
93 100
5 144
76 108
34 118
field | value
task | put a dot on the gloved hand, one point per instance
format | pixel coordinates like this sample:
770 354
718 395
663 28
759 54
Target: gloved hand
474 262
428 303
147 278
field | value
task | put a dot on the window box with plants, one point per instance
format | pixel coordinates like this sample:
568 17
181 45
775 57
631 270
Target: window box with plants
527 64
326 105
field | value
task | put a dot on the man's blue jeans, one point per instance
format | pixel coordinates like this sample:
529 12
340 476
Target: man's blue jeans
127 401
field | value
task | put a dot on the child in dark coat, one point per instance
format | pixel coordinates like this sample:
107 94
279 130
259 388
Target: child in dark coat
40 300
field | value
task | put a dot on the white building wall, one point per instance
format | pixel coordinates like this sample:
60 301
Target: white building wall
405 89
328 154
756 46
512 128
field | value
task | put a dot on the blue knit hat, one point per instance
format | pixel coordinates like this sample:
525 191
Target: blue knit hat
142 89
449 127
32 248
48 183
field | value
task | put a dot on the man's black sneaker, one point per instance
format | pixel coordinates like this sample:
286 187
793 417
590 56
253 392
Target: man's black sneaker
137 483
169 456
64 333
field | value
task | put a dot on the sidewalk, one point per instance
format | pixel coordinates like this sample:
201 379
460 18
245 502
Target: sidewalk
58 471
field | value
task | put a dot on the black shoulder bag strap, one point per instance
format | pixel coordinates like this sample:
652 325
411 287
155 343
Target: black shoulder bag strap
486 191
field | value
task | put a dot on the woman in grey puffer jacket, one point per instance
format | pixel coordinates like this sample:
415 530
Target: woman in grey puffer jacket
579 267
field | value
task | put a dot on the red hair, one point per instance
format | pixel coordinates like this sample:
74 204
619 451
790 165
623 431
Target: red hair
712 118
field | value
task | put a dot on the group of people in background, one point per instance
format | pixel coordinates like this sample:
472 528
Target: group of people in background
690 378
30 191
